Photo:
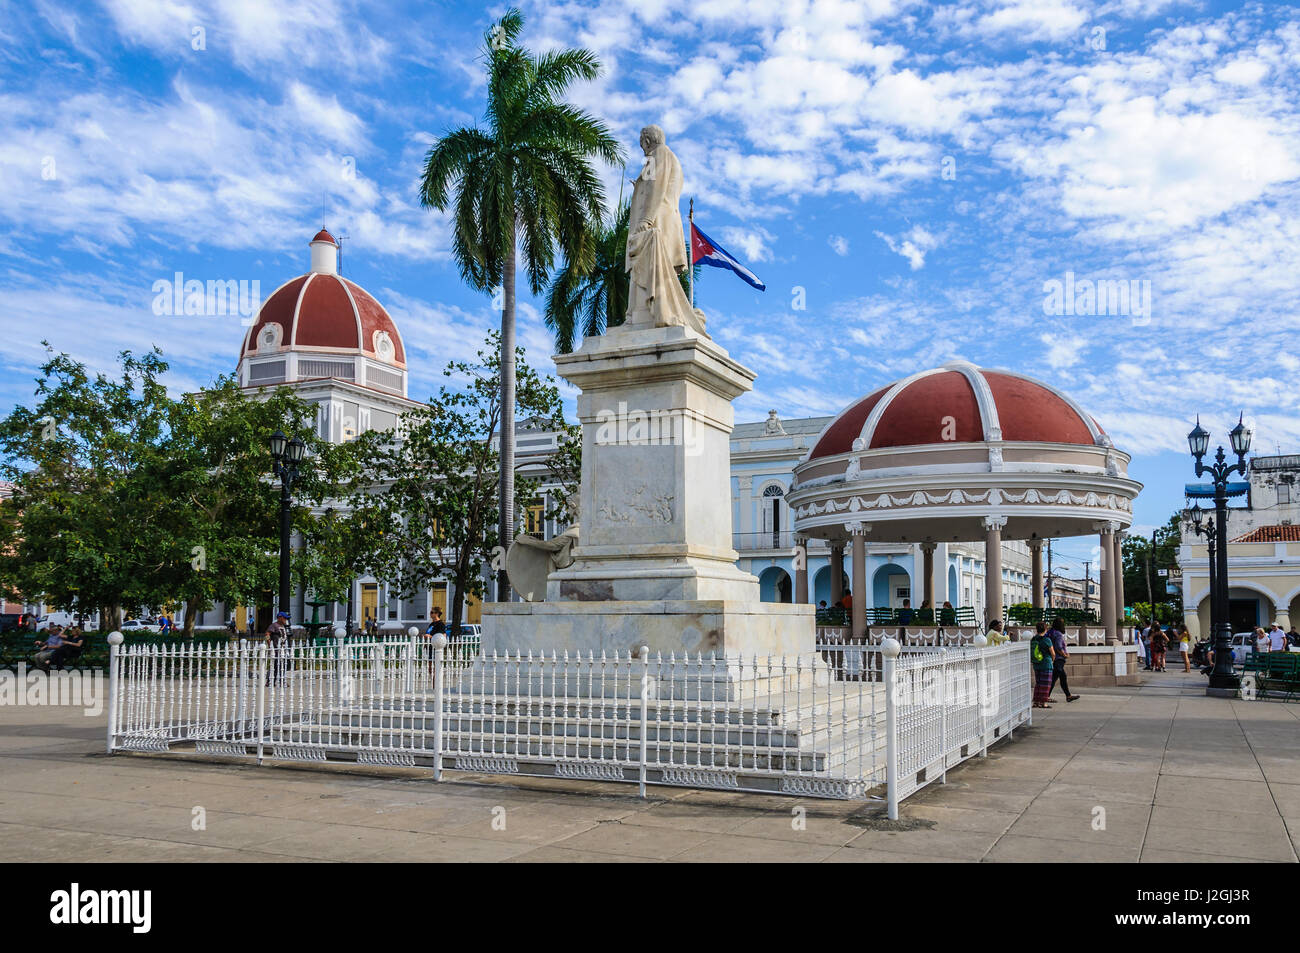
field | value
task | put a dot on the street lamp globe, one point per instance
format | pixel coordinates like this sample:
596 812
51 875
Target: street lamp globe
278 442
1240 437
296 450
1198 440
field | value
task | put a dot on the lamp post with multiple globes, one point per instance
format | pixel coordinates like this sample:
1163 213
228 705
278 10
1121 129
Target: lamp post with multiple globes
1223 678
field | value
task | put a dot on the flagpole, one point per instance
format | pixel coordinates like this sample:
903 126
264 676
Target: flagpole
690 249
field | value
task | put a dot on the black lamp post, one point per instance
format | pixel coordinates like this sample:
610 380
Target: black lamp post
287 454
1202 527
1223 678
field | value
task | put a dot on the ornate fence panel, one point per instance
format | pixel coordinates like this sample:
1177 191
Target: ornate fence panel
843 723
948 706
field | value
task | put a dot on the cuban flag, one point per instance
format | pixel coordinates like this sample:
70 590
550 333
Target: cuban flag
705 251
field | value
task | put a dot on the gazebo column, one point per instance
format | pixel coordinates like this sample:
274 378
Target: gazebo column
859 585
927 589
1119 584
1108 581
837 571
801 570
993 567
1036 562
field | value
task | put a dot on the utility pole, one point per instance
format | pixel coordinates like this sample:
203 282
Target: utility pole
1151 555
1087 585
1051 599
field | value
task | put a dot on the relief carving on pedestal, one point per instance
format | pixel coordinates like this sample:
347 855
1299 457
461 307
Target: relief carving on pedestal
637 505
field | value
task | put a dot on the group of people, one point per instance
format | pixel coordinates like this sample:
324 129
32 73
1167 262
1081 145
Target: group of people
1157 642
60 646
906 615
1048 653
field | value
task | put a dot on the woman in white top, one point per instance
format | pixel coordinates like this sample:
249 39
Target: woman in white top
1185 645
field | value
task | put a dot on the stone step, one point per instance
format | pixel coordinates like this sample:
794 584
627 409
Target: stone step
466 744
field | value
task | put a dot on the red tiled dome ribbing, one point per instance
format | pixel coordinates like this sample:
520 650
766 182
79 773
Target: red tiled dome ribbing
316 310
944 406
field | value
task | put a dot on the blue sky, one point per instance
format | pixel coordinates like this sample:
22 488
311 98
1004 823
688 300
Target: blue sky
919 170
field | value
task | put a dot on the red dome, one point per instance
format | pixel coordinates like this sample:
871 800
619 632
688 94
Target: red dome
959 403
324 236
327 311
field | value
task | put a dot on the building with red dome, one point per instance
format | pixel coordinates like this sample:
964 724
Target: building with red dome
334 344
960 454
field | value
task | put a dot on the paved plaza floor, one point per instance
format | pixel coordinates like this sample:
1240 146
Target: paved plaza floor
1153 773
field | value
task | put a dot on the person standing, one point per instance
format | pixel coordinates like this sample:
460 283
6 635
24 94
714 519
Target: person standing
1041 658
1185 646
1159 644
277 643
1059 654
1276 639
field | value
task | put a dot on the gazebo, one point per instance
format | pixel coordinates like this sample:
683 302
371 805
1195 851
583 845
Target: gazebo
960 453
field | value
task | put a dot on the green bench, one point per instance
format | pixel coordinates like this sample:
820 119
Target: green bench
1272 673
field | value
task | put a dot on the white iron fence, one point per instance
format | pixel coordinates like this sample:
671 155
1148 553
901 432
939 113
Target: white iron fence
804 725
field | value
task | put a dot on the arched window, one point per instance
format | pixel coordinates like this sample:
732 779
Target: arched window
772 503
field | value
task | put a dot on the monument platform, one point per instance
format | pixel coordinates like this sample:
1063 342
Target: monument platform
708 627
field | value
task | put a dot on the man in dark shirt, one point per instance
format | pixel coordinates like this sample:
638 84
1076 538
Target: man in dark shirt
905 614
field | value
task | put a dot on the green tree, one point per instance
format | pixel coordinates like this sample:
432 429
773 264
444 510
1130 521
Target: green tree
1142 582
525 183
223 540
86 511
434 491
584 301
125 499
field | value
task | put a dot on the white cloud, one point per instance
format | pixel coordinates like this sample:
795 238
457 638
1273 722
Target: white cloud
839 244
913 245
1033 19
1063 351
749 243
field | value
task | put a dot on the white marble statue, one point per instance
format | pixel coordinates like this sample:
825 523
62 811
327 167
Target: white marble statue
656 244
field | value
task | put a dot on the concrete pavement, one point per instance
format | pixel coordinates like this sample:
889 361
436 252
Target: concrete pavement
1123 775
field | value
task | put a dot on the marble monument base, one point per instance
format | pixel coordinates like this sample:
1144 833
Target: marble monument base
709 627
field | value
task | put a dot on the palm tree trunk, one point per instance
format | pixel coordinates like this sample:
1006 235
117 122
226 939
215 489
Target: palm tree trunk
506 525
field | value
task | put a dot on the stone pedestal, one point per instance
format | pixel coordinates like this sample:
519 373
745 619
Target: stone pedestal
655 563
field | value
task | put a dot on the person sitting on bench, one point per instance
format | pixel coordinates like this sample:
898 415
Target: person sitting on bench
49 649
74 640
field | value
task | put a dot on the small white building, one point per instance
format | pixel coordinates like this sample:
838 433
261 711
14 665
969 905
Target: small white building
1263 553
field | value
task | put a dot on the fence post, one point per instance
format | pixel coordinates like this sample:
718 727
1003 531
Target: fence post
261 700
340 664
644 654
241 689
114 677
982 673
439 647
409 679
943 715
889 649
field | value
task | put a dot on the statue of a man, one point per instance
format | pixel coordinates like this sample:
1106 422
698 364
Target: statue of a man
656 244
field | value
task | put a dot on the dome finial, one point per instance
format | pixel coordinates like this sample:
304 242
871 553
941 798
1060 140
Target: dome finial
324 253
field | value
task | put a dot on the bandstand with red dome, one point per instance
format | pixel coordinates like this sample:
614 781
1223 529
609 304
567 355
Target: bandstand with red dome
960 453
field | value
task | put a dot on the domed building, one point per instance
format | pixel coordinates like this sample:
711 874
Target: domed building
958 454
330 340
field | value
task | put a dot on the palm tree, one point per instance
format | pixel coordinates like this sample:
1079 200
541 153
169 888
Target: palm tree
523 184
581 302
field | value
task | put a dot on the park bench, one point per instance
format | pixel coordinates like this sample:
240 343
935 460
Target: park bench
1273 673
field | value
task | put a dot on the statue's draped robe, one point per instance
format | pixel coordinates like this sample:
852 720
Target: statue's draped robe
657 255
